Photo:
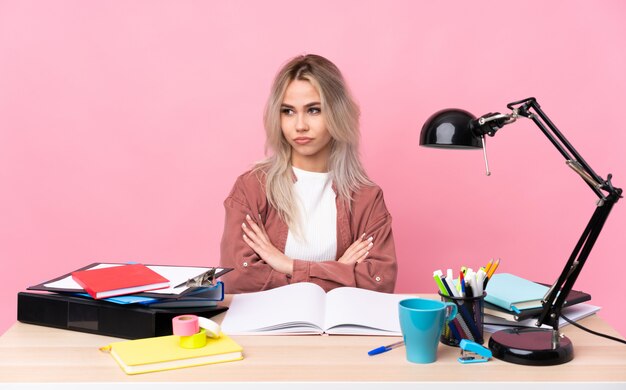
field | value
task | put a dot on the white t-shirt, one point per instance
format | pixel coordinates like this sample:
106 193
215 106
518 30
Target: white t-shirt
318 218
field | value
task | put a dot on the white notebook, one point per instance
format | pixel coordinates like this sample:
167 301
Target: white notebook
304 308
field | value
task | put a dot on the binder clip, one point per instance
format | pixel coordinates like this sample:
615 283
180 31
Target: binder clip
206 279
472 352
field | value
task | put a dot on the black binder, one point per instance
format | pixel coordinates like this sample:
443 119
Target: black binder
100 317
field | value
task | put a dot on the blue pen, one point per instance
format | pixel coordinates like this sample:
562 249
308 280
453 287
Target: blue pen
385 348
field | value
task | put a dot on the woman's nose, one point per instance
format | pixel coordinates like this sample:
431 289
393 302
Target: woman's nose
301 124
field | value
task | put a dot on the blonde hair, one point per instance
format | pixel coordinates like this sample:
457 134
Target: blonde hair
342 121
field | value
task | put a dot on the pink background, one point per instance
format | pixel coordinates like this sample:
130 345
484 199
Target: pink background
124 124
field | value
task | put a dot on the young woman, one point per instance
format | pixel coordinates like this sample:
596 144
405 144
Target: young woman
308 213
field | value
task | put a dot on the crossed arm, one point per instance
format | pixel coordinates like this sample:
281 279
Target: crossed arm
257 239
253 246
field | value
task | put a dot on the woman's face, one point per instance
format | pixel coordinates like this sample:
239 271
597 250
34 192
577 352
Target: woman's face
304 127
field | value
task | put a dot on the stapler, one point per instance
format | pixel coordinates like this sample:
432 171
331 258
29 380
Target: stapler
472 352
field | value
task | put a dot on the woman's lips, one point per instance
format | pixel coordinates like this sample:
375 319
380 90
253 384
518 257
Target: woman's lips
302 140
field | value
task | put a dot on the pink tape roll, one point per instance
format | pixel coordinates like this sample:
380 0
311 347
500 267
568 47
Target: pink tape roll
185 325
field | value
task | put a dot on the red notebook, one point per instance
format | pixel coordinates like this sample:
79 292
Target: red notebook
119 280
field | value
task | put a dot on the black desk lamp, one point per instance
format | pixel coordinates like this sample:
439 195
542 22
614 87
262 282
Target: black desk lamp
458 129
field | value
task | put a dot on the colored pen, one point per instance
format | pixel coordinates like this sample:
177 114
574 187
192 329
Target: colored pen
454 329
449 285
454 290
385 348
470 280
462 284
480 280
437 276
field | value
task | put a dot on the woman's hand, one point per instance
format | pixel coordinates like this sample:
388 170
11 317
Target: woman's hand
358 251
256 237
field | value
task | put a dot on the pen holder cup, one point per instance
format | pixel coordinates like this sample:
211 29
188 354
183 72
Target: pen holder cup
468 323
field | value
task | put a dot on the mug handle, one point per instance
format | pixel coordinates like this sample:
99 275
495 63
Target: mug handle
453 311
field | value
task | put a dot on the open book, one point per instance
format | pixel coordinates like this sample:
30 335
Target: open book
304 308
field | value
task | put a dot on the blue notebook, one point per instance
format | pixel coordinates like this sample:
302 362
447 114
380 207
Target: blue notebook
514 293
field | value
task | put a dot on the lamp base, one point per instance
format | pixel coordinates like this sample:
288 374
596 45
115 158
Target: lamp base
531 347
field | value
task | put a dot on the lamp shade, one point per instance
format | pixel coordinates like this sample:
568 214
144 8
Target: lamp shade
450 128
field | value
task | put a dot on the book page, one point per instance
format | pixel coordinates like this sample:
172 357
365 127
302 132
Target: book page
293 309
352 310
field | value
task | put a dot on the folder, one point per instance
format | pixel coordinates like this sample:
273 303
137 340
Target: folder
176 274
101 317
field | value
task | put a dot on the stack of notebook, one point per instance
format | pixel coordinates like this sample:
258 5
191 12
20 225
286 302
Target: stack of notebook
141 284
514 300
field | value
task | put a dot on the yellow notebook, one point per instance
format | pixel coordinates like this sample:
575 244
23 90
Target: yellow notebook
165 353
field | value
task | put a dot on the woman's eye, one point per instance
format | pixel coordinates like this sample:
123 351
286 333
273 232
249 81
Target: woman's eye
314 110
286 111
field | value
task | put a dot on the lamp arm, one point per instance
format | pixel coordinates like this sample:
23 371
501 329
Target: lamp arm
555 298
526 108
608 195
